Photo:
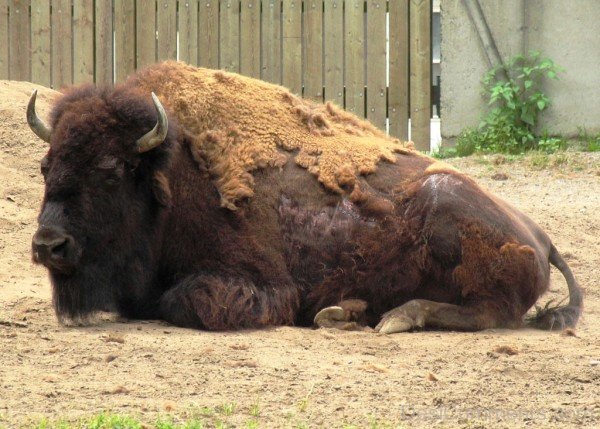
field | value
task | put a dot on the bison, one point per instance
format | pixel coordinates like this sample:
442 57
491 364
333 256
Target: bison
239 205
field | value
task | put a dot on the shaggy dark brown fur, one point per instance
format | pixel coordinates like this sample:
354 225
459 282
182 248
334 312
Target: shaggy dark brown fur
217 229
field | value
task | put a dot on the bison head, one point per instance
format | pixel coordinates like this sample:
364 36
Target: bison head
105 193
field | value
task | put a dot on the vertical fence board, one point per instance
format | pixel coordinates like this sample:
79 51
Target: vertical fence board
124 21
166 24
313 49
83 41
292 45
145 32
323 49
188 31
376 63
62 39
334 51
40 42
19 40
229 45
355 56
420 73
104 43
208 34
398 90
271 41
4 25
250 38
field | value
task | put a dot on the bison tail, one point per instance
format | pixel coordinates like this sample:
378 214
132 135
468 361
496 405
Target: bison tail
558 317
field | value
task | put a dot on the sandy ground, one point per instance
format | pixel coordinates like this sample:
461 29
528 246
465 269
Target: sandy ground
291 377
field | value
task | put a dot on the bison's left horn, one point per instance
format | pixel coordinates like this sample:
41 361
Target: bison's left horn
35 123
156 135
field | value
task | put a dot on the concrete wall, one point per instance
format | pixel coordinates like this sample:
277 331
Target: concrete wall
566 31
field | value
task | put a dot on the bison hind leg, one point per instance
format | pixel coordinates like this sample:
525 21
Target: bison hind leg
420 313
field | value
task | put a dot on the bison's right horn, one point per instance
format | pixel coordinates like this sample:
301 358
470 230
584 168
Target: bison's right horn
35 123
156 135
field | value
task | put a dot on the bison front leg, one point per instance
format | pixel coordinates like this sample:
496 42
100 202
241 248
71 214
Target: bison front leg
224 303
420 313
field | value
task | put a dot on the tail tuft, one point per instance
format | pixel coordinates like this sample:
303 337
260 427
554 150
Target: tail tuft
555 317
559 317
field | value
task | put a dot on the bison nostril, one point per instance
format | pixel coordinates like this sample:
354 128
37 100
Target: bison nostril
59 249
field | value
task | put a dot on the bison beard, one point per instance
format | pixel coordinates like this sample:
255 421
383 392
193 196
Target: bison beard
243 206
78 297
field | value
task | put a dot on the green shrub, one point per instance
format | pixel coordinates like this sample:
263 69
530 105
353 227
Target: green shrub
515 96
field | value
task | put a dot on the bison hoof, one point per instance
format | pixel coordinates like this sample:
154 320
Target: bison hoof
349 315
404 318
394 324
329 317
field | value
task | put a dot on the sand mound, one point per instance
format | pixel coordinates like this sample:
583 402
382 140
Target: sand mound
16 139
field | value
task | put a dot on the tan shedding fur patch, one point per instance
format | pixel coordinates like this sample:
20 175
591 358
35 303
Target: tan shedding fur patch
240 124
440 167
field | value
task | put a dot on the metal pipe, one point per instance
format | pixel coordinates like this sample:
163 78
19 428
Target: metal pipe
483 31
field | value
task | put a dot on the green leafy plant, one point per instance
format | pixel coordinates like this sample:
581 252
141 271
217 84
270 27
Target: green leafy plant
549 144
470 141
516 98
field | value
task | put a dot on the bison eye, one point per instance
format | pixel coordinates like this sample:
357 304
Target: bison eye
44 166
110 175
111 182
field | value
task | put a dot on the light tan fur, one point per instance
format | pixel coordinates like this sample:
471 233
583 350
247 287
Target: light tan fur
239 124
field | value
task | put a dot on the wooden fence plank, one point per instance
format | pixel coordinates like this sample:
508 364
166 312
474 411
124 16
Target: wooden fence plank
208 34
166 24
271 41
420 73
250 38
19 40
292 45
40 42
4 25
124 22
104 43
62 40
376 63
188 31
398 89
355 56
334 51
145 29
83 41
316 48
313 49
229 45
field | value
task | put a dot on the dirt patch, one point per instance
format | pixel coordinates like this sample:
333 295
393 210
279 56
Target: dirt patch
288 377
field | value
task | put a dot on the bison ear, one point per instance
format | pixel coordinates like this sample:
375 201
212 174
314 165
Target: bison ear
161 189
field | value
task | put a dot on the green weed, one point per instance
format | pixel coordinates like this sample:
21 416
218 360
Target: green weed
588 142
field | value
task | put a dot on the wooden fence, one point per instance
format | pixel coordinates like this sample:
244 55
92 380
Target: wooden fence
371 56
